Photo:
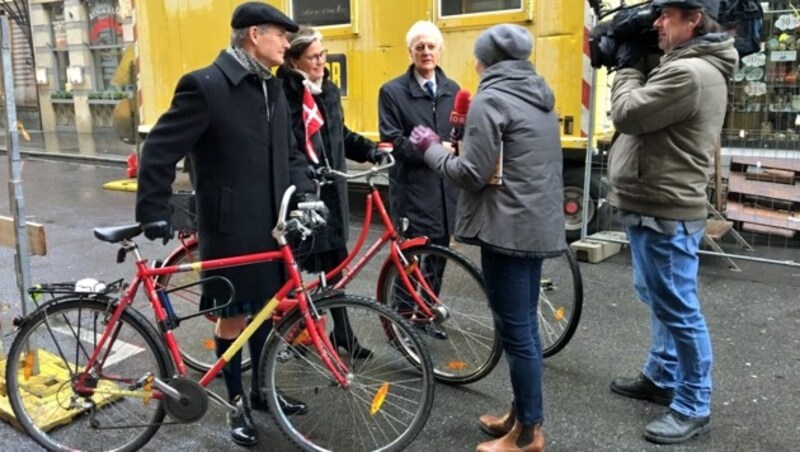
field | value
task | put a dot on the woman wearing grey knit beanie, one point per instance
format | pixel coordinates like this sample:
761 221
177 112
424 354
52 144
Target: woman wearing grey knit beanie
510 174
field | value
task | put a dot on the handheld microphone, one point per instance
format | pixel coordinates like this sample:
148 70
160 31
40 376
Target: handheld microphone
458 117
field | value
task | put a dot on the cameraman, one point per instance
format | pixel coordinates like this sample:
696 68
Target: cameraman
669 120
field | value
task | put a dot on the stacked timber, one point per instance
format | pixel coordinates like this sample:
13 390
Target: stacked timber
764 195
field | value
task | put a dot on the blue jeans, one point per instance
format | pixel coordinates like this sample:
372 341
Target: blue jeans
665 277
513 287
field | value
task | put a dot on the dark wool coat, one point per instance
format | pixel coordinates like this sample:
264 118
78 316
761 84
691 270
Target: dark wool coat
242 164
416 191
339 143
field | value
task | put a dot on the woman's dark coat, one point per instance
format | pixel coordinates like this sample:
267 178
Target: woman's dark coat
339 143
243 165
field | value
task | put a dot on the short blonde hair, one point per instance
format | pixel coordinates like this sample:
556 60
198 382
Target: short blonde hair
424 28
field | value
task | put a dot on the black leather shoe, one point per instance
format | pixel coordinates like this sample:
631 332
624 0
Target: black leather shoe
352 347
289 405
243 429
674 428
641 388
432 330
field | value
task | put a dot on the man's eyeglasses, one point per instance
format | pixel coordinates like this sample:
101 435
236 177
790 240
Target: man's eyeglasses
317 57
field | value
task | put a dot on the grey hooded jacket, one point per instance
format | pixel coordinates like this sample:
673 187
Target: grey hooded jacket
669 124
512 110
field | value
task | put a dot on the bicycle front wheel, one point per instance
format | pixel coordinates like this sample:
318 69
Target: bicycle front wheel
388 398
50 353
195 336
463 343
560 302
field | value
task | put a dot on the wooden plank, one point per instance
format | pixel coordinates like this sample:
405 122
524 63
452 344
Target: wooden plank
768 230
37 242
769 175
716 229
785 220
784 164
738 183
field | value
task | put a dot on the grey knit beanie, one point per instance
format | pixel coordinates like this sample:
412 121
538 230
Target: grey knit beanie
503 42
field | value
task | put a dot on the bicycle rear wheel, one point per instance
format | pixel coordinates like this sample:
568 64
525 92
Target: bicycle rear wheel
195 336
560 302
464 345
388 399
59 339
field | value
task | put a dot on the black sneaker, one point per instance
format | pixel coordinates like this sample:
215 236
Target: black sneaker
243 429
674 428
642 388
289 405
432 330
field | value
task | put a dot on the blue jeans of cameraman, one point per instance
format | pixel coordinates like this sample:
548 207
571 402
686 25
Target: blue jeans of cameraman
513 287
665 276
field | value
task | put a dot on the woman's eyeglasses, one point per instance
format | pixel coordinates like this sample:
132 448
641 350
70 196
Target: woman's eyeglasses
317 57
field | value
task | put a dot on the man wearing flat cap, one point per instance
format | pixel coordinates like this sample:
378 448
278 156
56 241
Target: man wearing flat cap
232 120
669 121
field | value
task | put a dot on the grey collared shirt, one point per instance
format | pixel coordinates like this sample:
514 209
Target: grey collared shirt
660 225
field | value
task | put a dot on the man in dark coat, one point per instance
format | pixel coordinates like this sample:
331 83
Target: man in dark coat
417 192
423 95
232 119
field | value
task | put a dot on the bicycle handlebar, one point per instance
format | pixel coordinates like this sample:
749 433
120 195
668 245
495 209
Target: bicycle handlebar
372 172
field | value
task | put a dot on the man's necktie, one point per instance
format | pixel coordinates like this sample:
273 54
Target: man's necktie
429 89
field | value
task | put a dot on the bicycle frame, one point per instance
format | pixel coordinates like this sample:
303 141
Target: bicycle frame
374 202
278 303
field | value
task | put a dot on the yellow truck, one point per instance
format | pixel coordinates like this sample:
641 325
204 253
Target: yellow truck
366 44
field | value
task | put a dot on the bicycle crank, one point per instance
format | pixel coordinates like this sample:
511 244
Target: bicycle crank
192 404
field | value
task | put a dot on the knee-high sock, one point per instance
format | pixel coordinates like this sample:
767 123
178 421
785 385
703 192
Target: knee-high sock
232 372
256 344
342 330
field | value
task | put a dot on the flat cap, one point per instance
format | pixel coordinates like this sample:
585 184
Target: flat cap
257 13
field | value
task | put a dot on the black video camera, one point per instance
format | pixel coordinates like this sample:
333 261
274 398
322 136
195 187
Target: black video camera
625 38
629 35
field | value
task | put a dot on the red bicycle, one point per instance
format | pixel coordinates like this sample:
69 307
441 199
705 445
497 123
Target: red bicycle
438 288
87 371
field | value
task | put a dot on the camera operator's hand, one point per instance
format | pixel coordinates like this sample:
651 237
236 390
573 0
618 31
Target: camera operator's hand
158 230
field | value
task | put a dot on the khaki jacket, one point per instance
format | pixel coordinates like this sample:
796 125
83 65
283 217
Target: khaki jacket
669 123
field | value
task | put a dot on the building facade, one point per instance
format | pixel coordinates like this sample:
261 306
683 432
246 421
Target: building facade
78 48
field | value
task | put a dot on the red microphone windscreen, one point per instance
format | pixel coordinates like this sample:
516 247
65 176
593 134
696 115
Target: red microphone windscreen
461 104
460 107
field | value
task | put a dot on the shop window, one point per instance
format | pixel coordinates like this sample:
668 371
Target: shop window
458 7
106 41
59 44
764 96
321 13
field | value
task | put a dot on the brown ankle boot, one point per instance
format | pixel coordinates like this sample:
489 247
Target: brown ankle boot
498 426
518 439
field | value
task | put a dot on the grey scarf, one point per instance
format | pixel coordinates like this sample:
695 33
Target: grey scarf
250 63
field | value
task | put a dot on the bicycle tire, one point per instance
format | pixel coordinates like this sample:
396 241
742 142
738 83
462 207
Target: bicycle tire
76 323
353 418
560 302
195 336
472 348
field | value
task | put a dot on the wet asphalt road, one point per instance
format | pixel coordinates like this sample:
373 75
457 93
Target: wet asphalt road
754 317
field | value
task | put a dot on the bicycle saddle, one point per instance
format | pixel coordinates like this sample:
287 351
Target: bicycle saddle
114 234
